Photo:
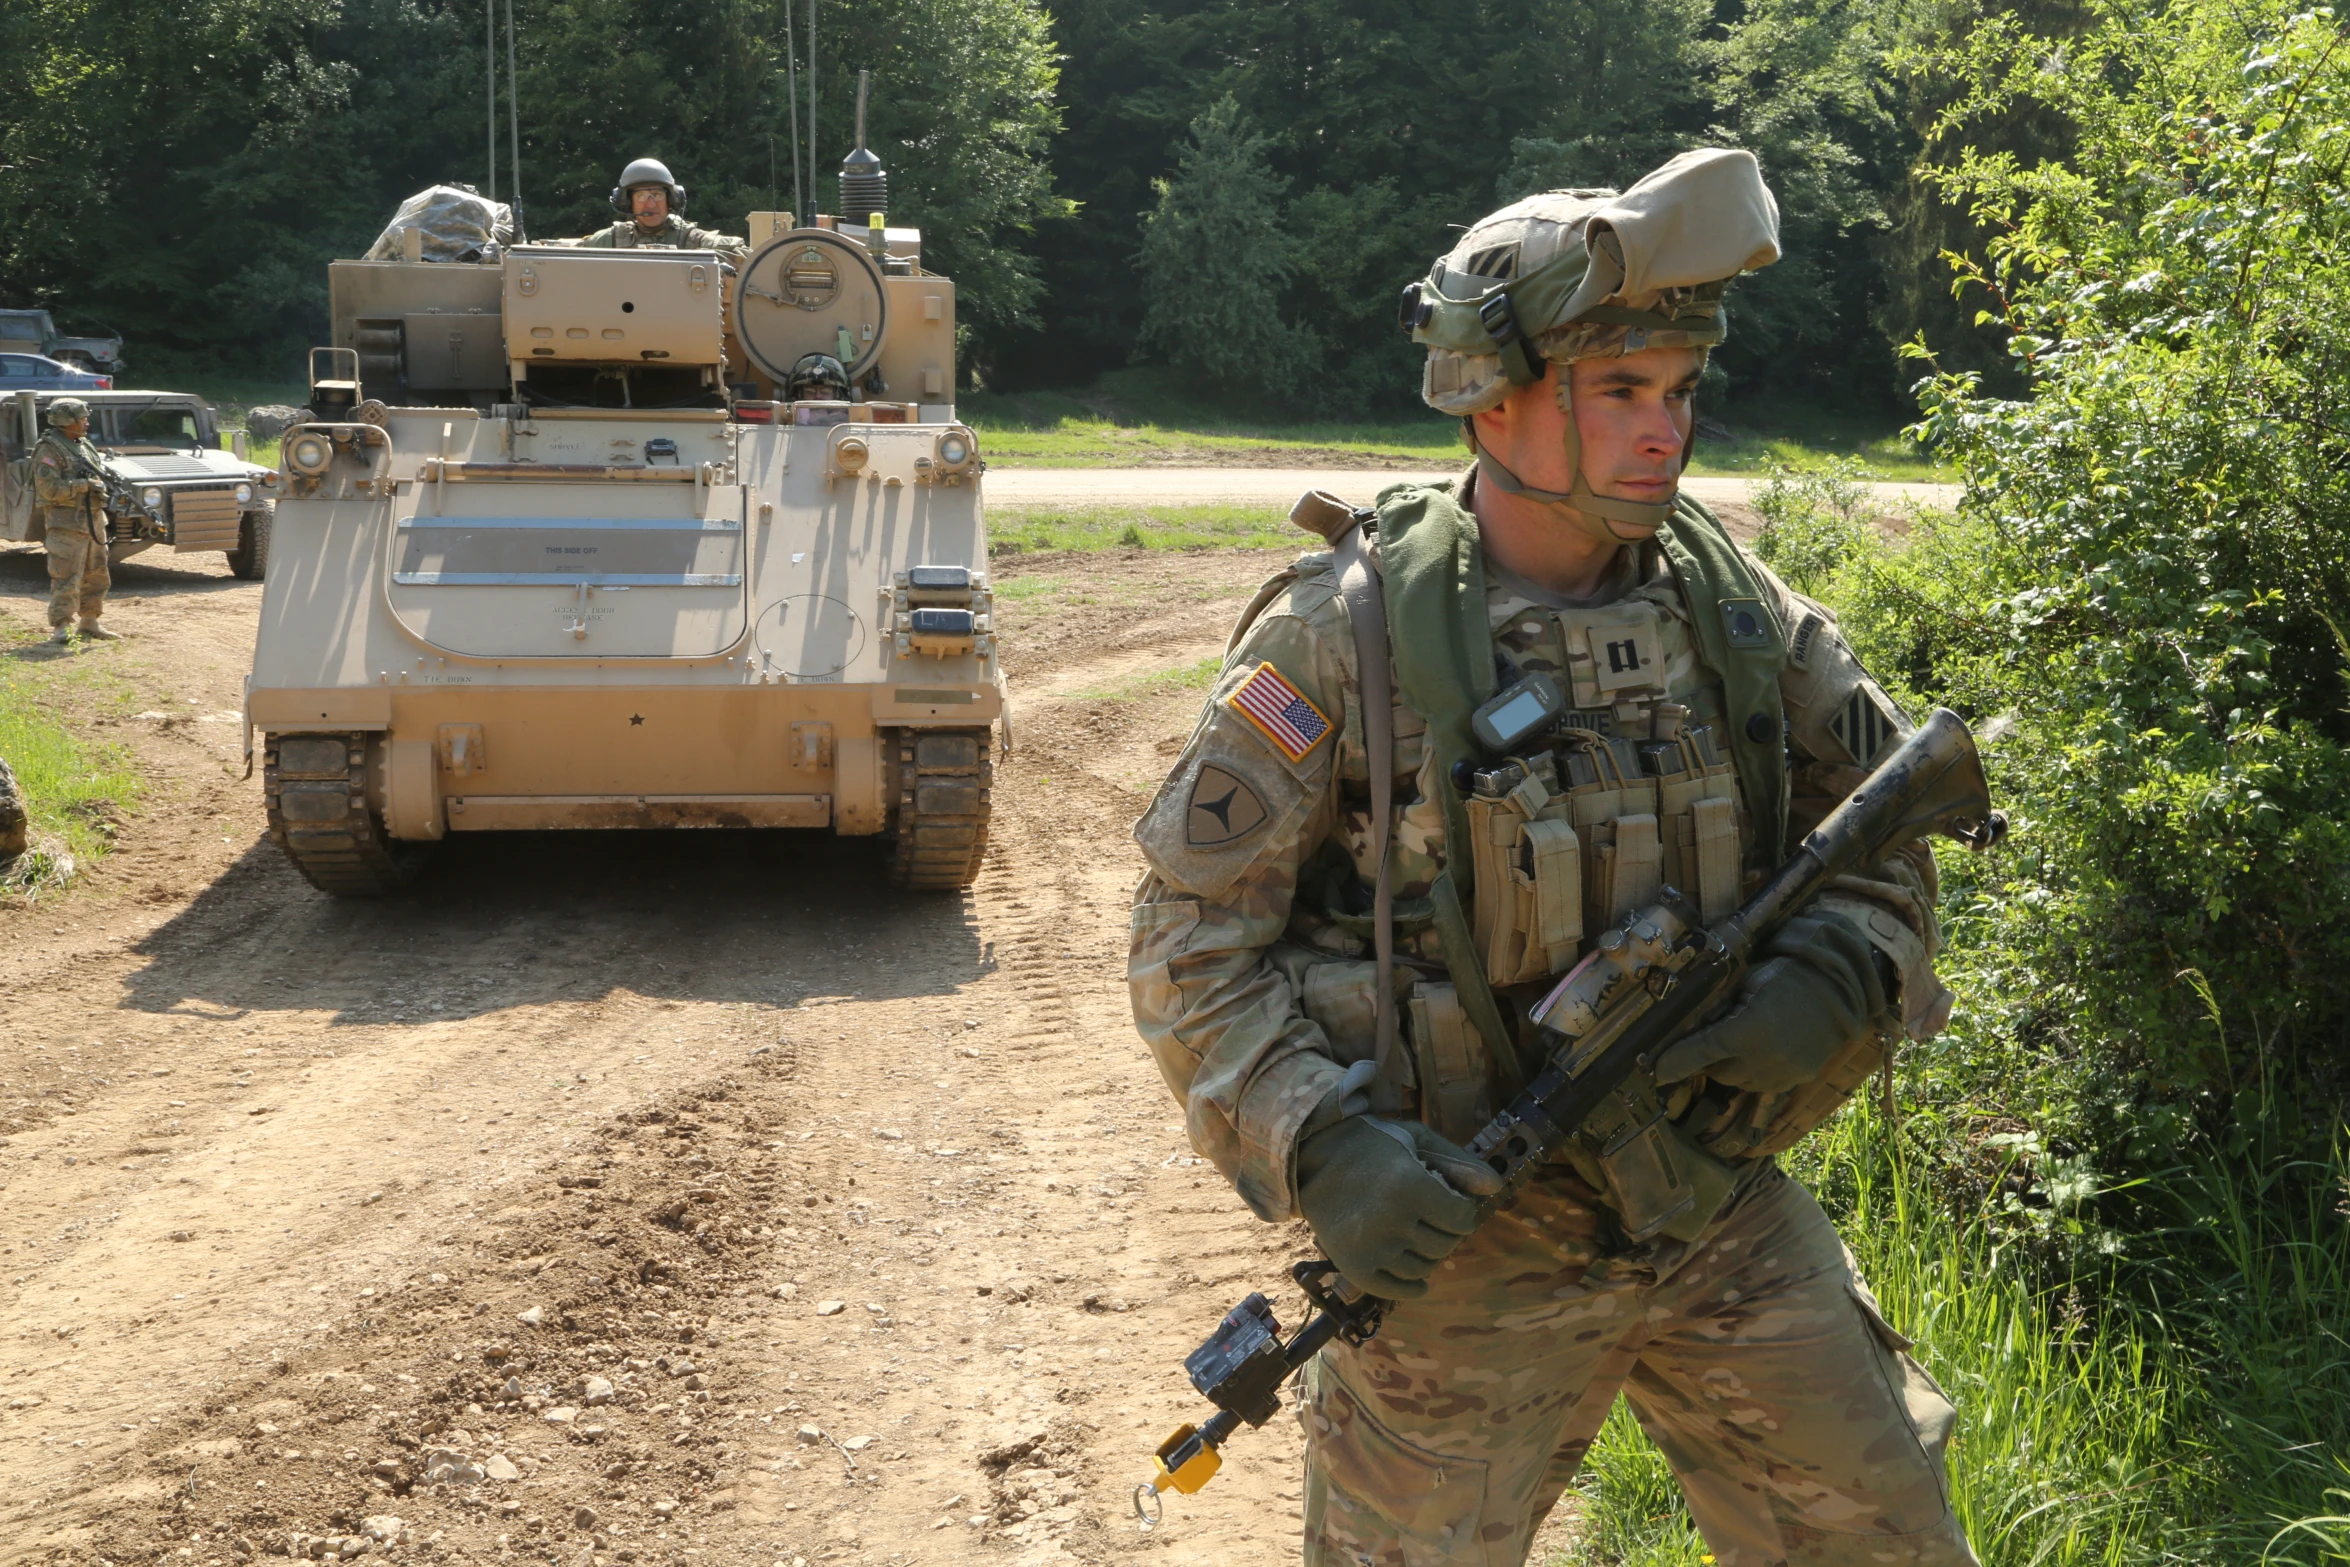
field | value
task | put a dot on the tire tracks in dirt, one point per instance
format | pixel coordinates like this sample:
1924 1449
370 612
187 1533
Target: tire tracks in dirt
677 1095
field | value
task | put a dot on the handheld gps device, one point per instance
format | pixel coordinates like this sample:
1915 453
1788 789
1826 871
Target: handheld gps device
1521 711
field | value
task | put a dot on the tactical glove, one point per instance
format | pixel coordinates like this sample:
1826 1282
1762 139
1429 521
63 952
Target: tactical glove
1818 991
1385 1200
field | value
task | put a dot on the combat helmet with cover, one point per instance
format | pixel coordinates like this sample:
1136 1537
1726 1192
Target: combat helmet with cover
67 410
1588 274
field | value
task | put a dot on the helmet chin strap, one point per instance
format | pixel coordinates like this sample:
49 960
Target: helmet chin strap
1627 522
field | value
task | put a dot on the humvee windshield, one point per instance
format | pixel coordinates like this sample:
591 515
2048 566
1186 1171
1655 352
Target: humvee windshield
165 424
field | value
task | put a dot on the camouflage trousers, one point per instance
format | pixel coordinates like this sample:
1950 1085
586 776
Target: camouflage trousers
78 574
1797 1423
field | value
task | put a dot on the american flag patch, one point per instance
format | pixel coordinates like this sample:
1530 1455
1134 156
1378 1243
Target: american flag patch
1281 711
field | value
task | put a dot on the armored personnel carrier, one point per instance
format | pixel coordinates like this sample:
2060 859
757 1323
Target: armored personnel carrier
560 548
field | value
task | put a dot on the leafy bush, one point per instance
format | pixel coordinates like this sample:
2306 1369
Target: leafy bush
1813 523
2165 566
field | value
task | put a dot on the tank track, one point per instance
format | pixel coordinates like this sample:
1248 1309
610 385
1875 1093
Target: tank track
316 786
945 779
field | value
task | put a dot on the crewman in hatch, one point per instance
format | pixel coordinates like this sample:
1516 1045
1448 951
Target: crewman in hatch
650 202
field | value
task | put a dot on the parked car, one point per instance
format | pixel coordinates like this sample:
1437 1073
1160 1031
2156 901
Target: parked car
34 373
36 332
175 480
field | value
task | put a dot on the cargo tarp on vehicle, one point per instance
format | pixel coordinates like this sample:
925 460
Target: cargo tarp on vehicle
457 225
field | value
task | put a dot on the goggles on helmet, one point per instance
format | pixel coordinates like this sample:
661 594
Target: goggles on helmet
1586 274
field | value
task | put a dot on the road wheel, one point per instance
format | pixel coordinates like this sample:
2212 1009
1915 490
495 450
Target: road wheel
250 559
315 789
944 796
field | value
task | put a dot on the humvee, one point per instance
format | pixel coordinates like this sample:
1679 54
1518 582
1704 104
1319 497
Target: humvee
175 484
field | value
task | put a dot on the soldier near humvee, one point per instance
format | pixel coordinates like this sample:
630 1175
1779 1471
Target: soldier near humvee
1709 716
650 203
69 486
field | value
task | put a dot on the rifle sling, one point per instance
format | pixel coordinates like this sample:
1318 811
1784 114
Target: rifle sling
1366 613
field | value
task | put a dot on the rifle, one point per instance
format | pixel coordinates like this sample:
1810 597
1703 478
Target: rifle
1644 981
117 493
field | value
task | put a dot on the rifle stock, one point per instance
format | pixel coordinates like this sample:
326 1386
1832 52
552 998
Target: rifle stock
1644 982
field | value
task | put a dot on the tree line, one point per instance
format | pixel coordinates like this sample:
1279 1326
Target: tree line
1239 190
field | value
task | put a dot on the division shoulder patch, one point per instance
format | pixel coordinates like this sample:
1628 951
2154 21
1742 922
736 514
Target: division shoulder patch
1279 709
1862 725
1222 808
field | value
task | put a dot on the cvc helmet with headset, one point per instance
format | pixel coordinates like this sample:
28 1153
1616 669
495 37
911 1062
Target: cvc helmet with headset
647 171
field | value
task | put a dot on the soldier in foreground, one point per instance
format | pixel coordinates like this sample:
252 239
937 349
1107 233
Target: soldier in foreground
70 488
649 202
1708 717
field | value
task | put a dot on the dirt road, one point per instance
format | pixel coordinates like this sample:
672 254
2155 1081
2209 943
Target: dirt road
722 1206
1007 486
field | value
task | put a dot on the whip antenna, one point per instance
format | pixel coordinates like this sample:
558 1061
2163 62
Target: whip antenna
791 99
513 127
489 60
864 183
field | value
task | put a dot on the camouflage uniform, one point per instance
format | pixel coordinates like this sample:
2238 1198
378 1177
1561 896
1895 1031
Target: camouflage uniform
74 519
628 234
1799 1426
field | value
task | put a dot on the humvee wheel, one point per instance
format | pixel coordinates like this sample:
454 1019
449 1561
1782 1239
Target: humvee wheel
317 792
249 561
944 778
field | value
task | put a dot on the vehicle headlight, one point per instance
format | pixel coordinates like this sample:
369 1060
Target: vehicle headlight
151 498
309 454
955 451
244 493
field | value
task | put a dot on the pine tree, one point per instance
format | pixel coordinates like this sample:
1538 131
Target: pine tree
1215 254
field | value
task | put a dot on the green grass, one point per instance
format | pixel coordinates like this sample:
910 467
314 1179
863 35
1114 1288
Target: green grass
78 792
2190 1407
1018 589
1158 682
1811 440
1076 438
1139 416
1135 418
1016 530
